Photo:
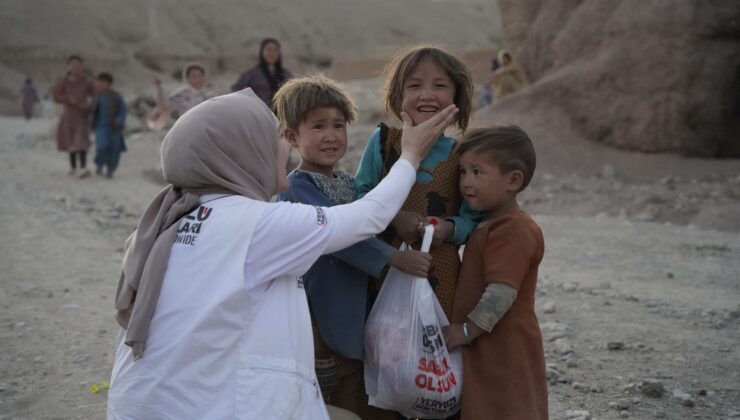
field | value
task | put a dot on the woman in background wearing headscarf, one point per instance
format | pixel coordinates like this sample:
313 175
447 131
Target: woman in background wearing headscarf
268 75
509 77
74 92
214 318
190 93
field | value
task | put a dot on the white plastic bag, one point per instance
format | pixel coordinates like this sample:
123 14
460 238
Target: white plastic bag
407 366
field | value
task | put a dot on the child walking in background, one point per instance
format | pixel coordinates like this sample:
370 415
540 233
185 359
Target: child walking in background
29 98
420 83
108 118
493 314
314 112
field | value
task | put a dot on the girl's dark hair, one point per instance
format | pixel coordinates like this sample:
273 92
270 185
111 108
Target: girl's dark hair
276 79
508 145
401 67
74 57
192 67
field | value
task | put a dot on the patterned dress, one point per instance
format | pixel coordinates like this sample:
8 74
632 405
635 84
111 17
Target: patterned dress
436 193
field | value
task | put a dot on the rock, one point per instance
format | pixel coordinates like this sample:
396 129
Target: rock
615 345
652 388
577 415
578 386
563 346
608 171
553 330
702 393
624 404
659 415
624 414
613 405
553 375
82 358
569 287
571 363
596 389
630 388
603 49
683 398
548 307
669 275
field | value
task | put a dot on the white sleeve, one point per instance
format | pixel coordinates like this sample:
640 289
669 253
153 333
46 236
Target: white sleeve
290 237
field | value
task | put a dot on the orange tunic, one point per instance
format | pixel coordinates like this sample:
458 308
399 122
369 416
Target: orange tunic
504 370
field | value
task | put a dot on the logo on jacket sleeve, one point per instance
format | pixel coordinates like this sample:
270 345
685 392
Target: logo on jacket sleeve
320 216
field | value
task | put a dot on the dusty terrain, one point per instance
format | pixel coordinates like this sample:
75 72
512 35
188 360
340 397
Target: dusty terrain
632 289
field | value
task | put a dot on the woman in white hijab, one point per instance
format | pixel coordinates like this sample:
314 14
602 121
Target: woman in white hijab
215 323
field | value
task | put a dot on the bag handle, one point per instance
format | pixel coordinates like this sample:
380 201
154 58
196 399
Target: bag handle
426 242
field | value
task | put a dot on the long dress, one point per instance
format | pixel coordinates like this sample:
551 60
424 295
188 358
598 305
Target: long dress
73 132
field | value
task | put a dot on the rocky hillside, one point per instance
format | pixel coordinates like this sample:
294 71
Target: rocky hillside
138 38
653 76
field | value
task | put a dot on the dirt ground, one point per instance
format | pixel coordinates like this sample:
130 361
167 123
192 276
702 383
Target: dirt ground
638 296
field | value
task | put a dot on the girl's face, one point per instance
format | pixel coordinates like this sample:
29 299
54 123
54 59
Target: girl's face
74 67
426 91
281 162
271 53
196 78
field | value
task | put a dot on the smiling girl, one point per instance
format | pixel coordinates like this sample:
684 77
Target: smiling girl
421 82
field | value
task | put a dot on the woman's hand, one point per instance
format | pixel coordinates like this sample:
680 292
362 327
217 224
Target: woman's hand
418 140
407 225
415 263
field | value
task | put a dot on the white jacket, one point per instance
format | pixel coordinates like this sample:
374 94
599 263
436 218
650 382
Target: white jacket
231 335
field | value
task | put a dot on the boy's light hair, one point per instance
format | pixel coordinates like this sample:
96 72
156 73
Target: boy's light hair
406 61
299 96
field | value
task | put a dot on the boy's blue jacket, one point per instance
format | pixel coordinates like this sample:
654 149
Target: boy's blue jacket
337 284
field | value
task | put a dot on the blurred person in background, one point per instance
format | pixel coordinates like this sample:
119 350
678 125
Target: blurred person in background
190 93
108 118
29 98
74 92
508 78
268 75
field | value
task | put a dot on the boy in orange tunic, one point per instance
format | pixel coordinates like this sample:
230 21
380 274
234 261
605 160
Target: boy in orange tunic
493 311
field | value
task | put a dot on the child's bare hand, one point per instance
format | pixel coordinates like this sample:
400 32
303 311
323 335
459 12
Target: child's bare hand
407 225
415 263
454 336
443 230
